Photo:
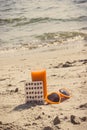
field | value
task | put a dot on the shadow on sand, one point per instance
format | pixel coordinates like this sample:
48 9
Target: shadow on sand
26 106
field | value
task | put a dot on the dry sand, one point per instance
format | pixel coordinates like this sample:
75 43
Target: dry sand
66 66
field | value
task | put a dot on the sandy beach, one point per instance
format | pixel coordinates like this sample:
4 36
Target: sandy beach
66 66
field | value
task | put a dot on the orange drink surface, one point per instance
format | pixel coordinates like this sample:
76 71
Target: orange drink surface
40 76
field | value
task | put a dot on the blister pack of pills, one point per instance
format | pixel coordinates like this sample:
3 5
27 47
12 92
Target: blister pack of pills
34 92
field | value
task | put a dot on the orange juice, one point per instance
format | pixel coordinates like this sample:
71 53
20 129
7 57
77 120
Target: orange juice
40 76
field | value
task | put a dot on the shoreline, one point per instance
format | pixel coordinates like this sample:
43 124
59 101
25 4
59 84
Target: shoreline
66 66
47 40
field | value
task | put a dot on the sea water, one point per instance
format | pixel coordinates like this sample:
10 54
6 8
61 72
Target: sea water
25 23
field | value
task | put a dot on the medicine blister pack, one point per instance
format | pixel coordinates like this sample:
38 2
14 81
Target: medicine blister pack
34 92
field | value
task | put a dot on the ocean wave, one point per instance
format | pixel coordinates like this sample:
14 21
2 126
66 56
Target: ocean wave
33 20
61 36
46 39
82 18
83 28
11 20
23 20
80 1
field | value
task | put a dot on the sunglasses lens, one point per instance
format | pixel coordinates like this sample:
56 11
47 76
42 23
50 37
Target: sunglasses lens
65 92
53 97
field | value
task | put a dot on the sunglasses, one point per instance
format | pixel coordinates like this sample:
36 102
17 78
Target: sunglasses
57 97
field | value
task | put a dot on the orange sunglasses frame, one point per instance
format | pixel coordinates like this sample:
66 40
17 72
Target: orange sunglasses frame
60 96
51 102
63 95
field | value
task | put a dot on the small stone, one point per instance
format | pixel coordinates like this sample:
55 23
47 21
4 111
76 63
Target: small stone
34 123
43 113
9 85
16 90
11 91
47 128
56 120
74 120
53 75
83 118
67 64
83 105
0 122
65 118
49 116
28 124
1 127
37 118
